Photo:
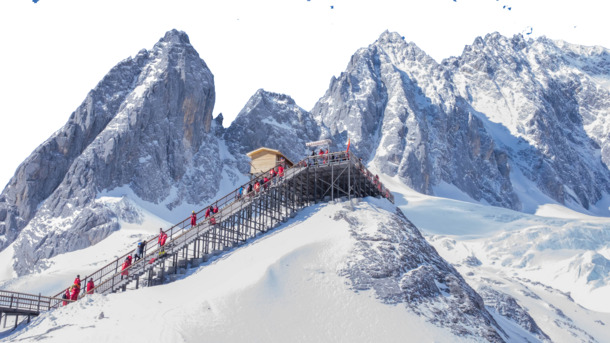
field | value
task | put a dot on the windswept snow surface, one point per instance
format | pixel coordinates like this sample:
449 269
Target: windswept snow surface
62 269
557 247
281 287
533 271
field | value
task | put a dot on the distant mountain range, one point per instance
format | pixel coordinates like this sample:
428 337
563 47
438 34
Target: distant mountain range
511 123
507 114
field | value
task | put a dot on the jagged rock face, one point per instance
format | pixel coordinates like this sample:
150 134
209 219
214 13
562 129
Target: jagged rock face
393 259
505 104
147 126
399 107
554 98
42 172
273 121
508 307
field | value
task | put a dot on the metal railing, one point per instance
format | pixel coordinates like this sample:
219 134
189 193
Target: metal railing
22 303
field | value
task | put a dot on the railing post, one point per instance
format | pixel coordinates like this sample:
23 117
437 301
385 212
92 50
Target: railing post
38 305
349 180
112 285
332 182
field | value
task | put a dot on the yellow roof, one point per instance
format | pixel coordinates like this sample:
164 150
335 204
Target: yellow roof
273 151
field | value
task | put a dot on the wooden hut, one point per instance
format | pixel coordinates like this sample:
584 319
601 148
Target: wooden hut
264 159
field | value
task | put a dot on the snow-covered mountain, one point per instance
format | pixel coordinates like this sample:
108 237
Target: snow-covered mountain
146 130
506 114
512 123
271 120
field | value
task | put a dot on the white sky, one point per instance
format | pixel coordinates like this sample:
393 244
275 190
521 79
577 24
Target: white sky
55 51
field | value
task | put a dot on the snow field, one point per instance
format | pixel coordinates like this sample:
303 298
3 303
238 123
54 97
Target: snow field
284 286
281 287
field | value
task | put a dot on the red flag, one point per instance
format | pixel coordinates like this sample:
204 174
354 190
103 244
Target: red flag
348 141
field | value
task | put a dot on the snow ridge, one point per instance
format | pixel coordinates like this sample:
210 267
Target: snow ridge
393 258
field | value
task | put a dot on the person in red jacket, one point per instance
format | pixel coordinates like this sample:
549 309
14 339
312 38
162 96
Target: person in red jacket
90 286
214 211
66 296
280 171
208 211
126 264
162 238
193 219
74 293
77 280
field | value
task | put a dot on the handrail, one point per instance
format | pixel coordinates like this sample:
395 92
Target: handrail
180 231
113 268
26 303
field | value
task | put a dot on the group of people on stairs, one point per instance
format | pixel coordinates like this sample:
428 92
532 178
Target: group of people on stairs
259 185
262 183
274 176
73 291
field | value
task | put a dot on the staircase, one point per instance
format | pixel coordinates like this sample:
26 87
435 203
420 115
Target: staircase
312 180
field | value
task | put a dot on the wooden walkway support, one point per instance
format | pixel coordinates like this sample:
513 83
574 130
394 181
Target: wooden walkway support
240 217
24 305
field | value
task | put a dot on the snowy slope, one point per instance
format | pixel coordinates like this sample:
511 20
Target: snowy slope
293 284
572 254
282 287
543 262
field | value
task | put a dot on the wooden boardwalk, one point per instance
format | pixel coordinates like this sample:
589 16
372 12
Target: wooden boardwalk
24 305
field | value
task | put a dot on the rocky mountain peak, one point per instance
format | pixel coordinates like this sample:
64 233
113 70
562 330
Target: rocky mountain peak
495 45
146 126
263 95
274 121
394 47
388 37
174 36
